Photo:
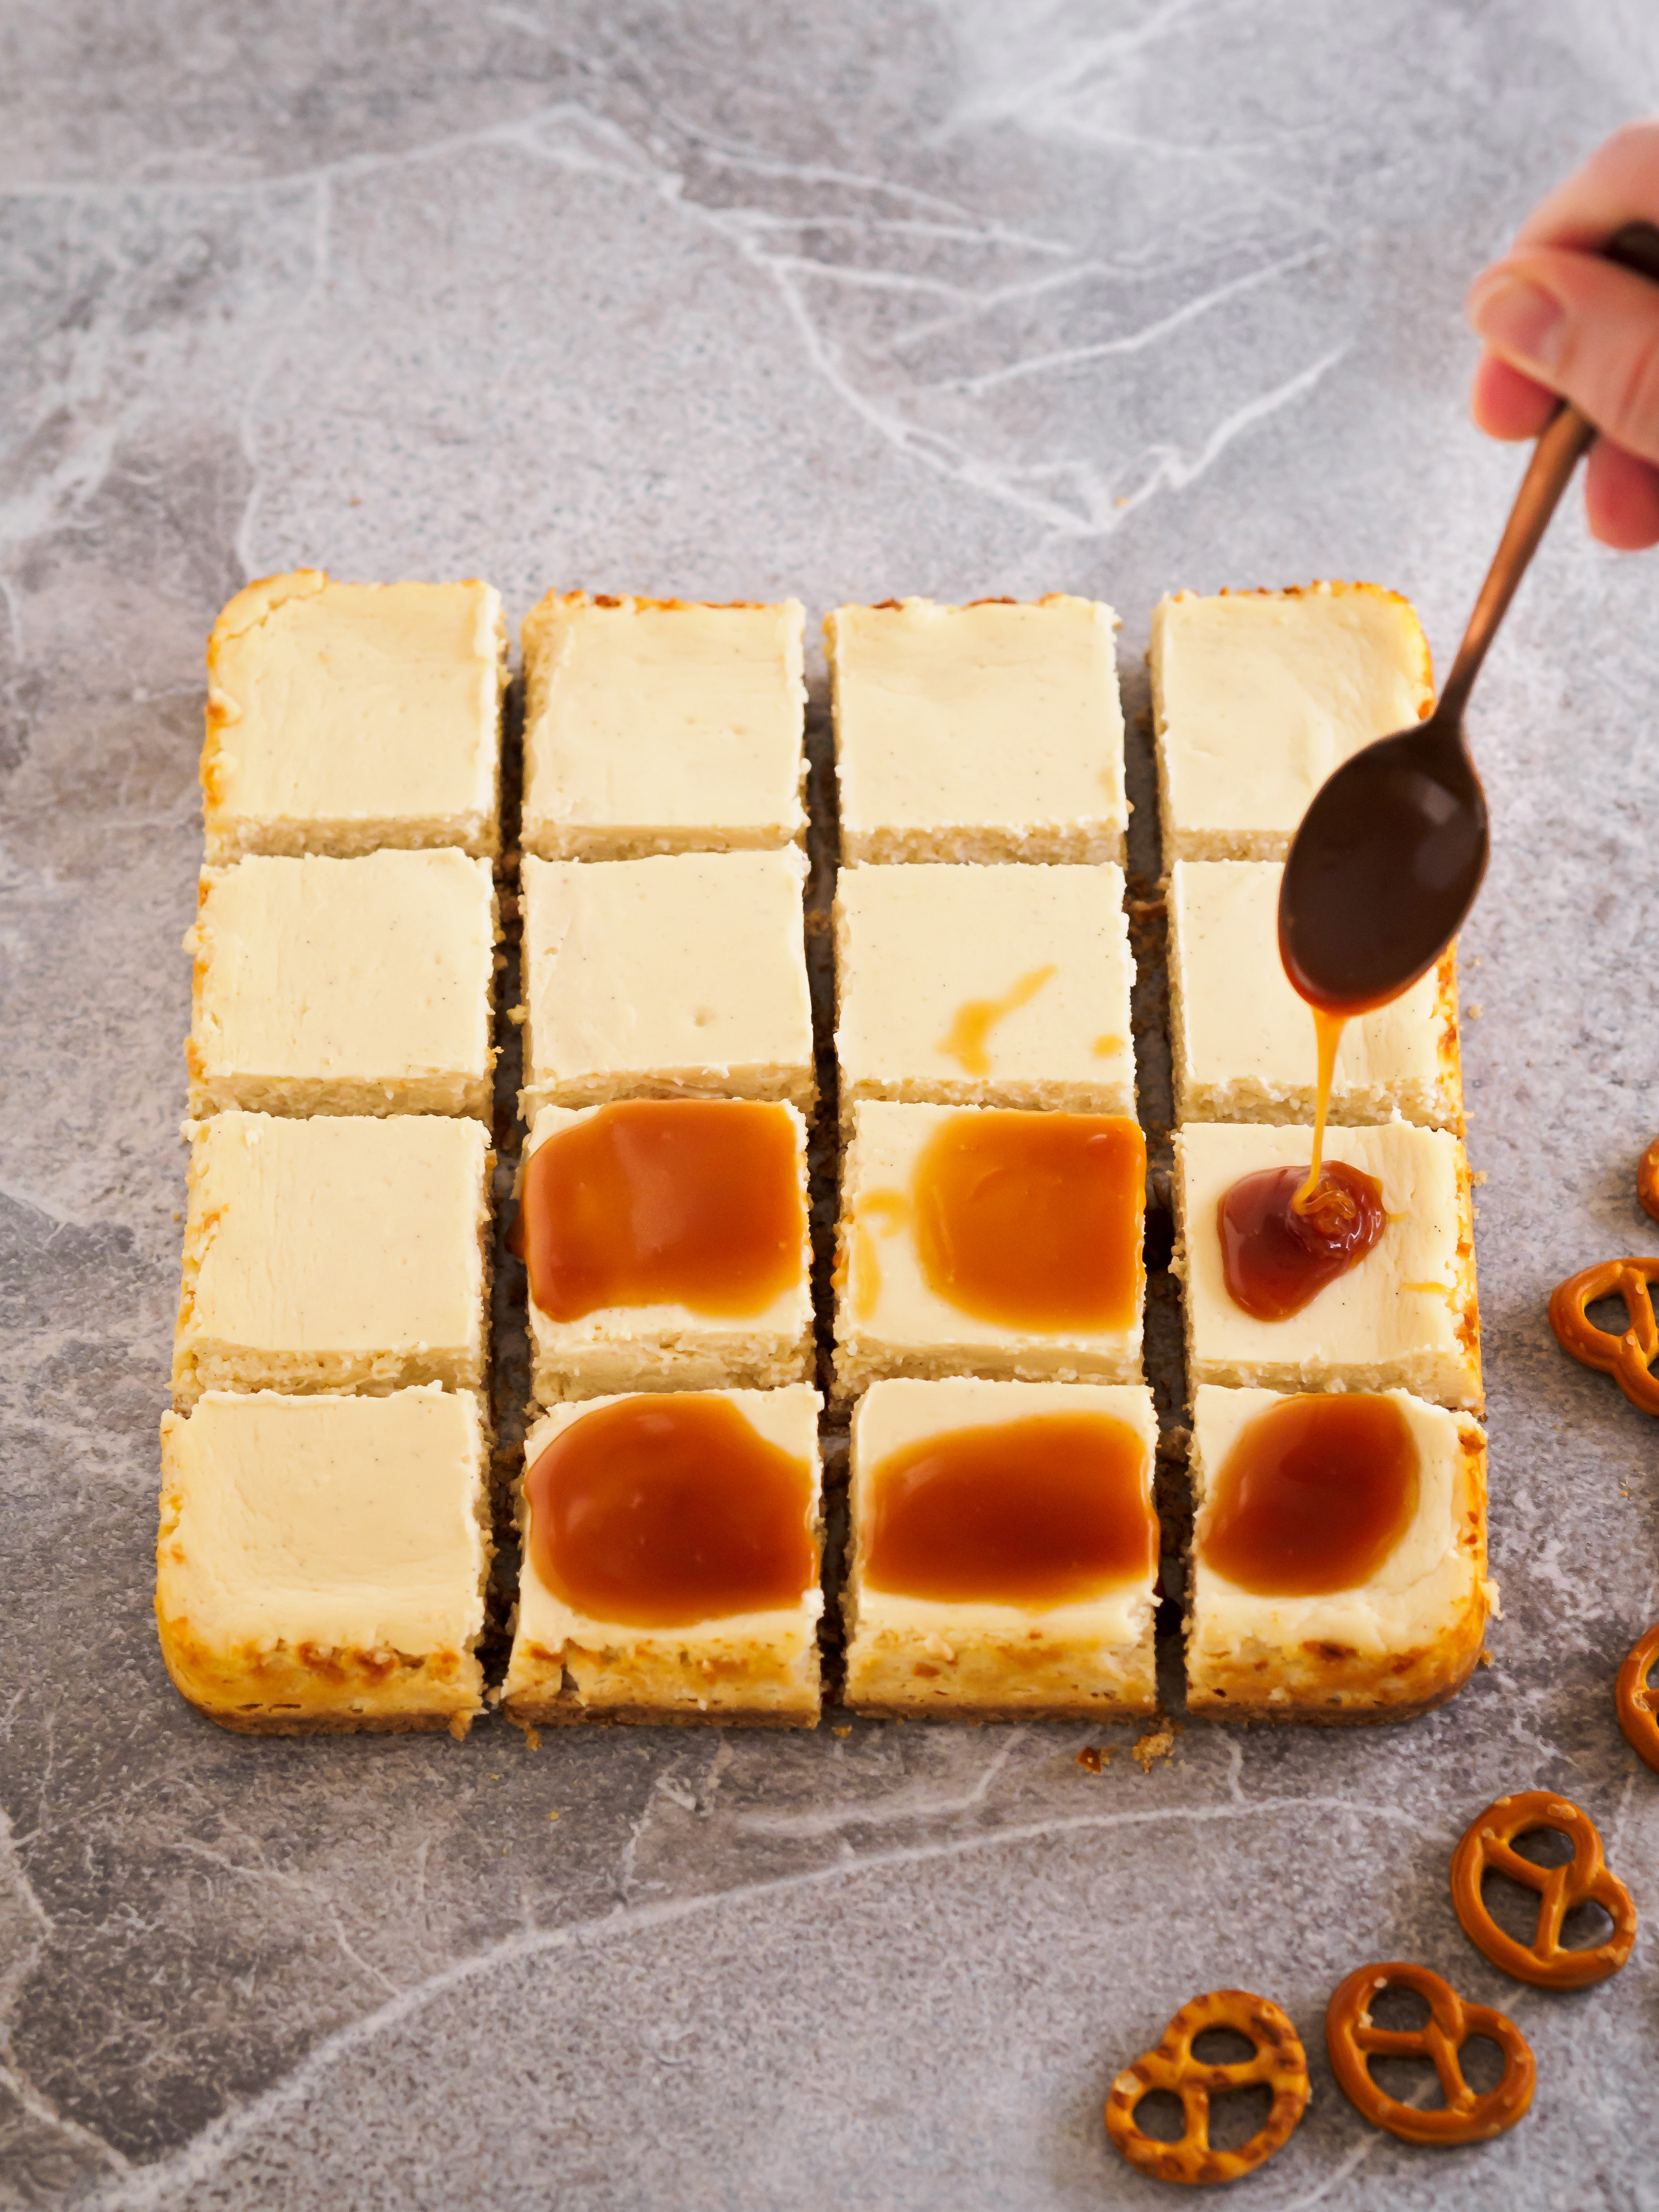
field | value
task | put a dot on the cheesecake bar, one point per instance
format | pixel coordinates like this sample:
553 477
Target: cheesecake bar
343 987
671 1555
974 1241
668 1246
683 975
1404 1317
662 726
1243 1042
1258 695
995 986
1003 1552
990 732
345 717
1395 1622
340 1253
321 1561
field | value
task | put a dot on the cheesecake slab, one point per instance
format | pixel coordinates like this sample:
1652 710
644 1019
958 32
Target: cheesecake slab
1244 1043
337 1253
662 726
988 732
324 986
682 976
985 986
1389 1645
321 1561
343 718
1258 695
1405 1317
1003 1553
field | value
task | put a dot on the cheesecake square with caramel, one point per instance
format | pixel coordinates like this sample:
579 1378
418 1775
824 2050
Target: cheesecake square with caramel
977 1241
985 986
1004 1549
321 1560
667 1247
683 975
1339 1560
343 987
989 731
1244 1043
343 718
1404 1316
662 726
671 1551
1258 695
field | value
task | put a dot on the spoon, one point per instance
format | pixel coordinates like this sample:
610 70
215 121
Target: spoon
1390 854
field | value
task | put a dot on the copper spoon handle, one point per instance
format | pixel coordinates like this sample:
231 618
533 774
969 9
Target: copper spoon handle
1554 457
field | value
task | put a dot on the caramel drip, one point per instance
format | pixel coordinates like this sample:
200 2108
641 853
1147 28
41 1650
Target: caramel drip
1050 1510
1276 1253
1328 1029
880 1213
659 1512
1315 1495
967 1040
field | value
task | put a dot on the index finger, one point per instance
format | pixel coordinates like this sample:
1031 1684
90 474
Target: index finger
1619 181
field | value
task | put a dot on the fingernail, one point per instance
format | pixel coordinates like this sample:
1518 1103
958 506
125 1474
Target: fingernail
1520 318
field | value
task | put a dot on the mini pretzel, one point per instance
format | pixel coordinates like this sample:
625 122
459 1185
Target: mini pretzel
1647 1180
1543 1962
1628 1358
1278 2061
1351 2042
1638 1705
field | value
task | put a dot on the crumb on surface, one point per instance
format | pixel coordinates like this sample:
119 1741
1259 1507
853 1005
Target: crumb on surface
1157 1741
1093 1757
842 1731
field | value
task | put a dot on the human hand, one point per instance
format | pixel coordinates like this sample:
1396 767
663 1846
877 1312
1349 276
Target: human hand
1557 321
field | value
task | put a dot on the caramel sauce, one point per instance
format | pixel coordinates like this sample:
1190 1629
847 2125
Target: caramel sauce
1104 1047
1313 1496
681 1201
1048 1510
1278 1251
1033 1220
658 1512
889 1210
968 1036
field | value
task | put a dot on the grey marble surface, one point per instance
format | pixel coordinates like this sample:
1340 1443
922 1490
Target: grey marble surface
1103 295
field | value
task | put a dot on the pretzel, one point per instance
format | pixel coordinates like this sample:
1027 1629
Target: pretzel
1588 1880
1628 1358
1647 1180
1278 2061
1352 2042
1638 1705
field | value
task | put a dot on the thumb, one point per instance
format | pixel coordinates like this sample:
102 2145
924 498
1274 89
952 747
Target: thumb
1584 327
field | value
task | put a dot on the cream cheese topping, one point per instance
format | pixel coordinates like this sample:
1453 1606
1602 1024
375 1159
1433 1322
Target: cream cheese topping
331 707
376 971
1244 1041
683 973
346 1524
1258 695
1402 1315
662 726
1037 959
1426 1582
993 727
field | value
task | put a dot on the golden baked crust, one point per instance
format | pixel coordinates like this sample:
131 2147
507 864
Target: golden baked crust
305 1691
752 1681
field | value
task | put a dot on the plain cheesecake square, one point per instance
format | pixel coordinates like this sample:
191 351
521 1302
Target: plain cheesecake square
345 717
891 1320
993 986
682 976
662 726
919 1657
337 1253
664 1346
321 1561
343 987
1387 1649
1405 1317
1258 695
756 1670
1243 1042
989 731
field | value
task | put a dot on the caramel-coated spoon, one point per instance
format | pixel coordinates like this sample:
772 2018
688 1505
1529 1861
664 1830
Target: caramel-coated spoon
1390 855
